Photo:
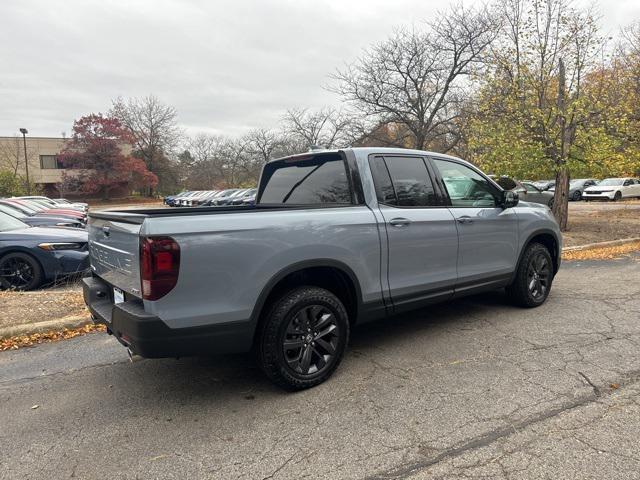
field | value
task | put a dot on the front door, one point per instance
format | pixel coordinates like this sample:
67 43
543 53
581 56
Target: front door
487 233
421 231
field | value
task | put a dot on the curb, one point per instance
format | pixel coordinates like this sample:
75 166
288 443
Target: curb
48 326
610 243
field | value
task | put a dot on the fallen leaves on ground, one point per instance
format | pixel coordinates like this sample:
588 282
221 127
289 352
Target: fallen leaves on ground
17 308
20 341
602 253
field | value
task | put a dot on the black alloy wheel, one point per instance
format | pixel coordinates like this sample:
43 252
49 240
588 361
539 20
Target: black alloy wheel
532 282
302 337
310 341
577 195
19 271
538 275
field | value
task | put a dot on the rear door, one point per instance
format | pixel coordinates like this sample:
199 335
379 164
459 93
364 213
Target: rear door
630 188
487 233
421 232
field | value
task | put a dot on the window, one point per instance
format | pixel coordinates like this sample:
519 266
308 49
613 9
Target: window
50 162
403 181
7 222
466 187
529 188
384 189
316 180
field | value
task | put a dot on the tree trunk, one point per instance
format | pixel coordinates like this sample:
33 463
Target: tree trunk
561 197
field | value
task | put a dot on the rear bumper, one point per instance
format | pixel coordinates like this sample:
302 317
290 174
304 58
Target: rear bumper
148 336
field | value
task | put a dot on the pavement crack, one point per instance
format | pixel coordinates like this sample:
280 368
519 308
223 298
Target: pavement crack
275 472
596 390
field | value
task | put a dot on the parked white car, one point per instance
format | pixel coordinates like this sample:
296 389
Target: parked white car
613 189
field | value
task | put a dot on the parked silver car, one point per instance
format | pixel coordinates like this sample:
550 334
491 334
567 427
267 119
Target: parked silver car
576 187
527 191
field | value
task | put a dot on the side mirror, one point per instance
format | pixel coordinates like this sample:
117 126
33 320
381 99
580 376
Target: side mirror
509 199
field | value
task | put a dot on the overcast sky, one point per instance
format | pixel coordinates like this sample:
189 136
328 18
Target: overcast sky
227 66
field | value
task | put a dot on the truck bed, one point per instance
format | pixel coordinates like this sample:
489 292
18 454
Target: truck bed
138 215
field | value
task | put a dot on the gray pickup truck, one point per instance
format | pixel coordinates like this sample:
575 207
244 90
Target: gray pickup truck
336 238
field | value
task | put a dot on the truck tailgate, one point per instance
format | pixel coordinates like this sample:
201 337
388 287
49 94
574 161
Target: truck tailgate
114 251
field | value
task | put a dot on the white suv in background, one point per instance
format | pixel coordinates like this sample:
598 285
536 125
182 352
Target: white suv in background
613 189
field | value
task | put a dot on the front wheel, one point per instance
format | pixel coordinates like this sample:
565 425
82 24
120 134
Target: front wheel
303 338
618 196
532 282
20 271
577 196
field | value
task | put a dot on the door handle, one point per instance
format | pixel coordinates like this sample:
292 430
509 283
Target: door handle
399 222
464 219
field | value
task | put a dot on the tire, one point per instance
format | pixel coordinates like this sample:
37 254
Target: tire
534 276
577 196
550 203
20 271
617 196
298 319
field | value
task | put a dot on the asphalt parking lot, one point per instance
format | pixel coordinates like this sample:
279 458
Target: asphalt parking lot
475 388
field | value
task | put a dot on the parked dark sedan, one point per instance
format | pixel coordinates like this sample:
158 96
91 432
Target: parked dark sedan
246 195
31 256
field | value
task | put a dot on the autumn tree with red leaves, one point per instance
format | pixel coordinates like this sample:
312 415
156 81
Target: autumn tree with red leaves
96 150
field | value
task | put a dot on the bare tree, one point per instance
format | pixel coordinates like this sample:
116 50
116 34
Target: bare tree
154 129
326 128
413 79
264 145
205 170
11 154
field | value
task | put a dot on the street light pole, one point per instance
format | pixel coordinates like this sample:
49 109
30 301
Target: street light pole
26 162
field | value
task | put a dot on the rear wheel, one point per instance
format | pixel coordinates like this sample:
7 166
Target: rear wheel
532 283
303 338
20 271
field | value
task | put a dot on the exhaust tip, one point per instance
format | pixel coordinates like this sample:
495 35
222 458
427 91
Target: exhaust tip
132 356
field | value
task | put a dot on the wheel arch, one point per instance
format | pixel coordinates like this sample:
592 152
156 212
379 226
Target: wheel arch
549 239
333 275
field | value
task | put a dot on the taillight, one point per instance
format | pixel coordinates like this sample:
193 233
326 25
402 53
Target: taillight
159 266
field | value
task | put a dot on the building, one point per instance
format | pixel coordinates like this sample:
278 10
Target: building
44 168
45 171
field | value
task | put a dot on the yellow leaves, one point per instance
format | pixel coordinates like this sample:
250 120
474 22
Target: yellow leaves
20 341
602 253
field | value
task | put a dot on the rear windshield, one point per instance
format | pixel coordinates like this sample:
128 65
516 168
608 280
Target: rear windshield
319 179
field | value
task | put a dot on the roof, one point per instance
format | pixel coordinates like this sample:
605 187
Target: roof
365 151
